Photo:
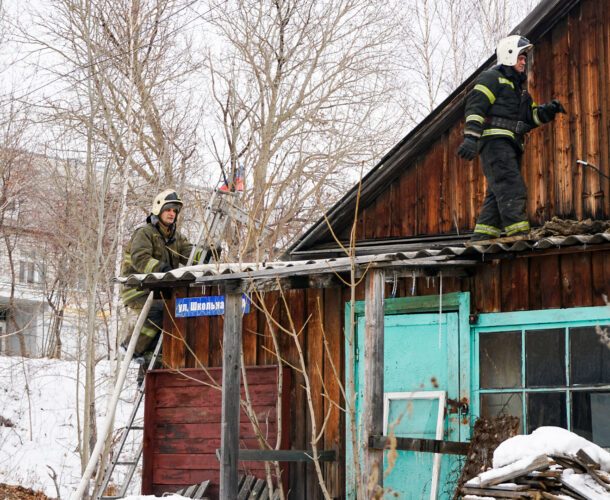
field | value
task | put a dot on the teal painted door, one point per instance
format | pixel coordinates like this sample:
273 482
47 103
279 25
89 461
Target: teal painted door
421 371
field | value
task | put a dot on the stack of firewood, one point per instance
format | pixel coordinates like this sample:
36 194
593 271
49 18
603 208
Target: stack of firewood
554 477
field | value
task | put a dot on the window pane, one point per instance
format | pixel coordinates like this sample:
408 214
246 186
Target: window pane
546 408
500 405
500 360
589 358
22 271
590 412
415 418
545 358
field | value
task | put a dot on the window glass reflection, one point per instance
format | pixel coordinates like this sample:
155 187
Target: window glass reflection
545 358
590 416
500 405
546 408
500 360
589 358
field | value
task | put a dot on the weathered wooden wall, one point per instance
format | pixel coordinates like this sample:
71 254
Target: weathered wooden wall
318 317
437 190
556 279
182 426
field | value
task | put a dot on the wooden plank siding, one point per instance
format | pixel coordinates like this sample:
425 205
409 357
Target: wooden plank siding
182 426
433 190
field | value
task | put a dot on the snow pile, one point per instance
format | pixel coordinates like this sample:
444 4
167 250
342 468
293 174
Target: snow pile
550 462
38 422
548 441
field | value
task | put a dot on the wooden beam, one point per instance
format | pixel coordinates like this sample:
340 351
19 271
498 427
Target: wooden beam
284 455
372 393
229 434
237 283
246 285
421 445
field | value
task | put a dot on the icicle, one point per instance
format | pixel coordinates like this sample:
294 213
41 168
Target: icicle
413 284
440 309
427 281
395 284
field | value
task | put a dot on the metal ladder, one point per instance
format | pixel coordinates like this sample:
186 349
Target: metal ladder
222 207
133 463
214 225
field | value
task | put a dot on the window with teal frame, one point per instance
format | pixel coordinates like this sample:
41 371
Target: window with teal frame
548 367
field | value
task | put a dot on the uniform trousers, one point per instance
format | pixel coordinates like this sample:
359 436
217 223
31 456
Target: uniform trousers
504 207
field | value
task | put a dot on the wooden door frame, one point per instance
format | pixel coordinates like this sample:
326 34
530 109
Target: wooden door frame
452 302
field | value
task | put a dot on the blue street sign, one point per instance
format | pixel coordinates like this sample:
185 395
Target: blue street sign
206 306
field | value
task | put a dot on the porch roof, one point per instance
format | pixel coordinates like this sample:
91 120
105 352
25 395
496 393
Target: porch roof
449 260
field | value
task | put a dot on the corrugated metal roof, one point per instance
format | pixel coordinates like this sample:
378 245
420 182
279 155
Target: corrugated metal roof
425 258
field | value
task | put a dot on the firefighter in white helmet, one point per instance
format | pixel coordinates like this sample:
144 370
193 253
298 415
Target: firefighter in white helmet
156 247
499 112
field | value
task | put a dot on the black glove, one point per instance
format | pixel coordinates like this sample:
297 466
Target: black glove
164 268
547 111
468 148
559 107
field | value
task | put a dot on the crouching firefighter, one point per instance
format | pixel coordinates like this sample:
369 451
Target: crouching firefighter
156 247
499 112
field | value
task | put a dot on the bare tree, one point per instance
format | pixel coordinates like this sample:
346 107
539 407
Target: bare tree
133 56
125 121
300 92
17 179
442 42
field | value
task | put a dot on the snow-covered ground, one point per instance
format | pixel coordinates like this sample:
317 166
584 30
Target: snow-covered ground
38 397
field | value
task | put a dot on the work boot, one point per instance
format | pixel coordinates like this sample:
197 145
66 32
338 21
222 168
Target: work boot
480 239
141 375
144 360
521 235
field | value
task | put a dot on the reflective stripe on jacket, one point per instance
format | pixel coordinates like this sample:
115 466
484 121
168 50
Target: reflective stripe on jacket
499 92
149 251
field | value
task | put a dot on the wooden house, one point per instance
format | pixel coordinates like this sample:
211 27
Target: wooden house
442 333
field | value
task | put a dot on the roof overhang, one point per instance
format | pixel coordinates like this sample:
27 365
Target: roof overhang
329 272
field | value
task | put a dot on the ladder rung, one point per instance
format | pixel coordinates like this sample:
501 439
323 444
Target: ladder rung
109 497
136 428
127 463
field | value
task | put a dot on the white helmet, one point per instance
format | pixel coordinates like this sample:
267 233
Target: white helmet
510 48
167 197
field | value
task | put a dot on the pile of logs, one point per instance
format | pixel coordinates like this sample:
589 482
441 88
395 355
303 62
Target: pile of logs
554 477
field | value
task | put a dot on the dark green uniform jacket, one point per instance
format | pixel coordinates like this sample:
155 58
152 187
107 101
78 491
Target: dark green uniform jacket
150 251
499 93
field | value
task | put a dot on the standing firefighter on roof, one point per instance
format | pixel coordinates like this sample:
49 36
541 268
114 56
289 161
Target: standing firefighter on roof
499 112
156 247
